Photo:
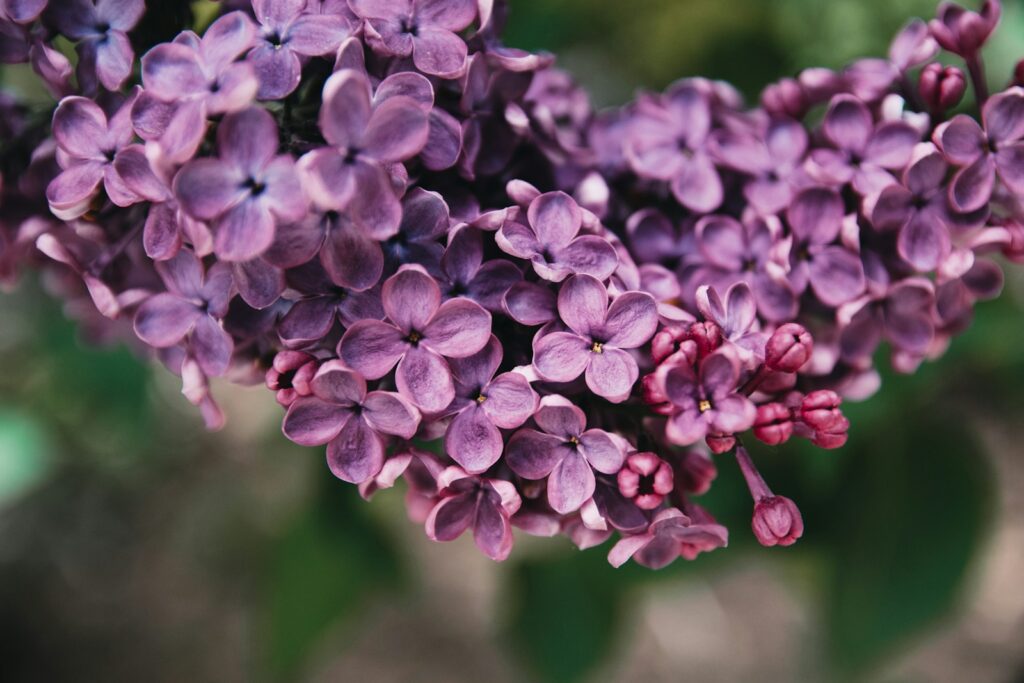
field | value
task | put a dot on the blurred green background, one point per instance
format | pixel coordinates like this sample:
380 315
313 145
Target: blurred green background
136 546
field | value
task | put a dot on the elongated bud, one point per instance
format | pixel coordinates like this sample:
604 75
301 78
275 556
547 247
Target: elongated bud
789 348
720 443
941 87
774 424
777 521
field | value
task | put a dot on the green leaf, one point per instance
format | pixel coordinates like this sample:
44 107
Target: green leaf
911 508
323 568
25 457
565 614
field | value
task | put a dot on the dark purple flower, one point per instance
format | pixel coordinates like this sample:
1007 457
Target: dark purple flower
902 315
289 32
743 252
15 42
426 29
670 535
351 174
551 241
483 404
322 303
247 190
468 275
468 501
706 400
865 152
190 308
598 339
100 27
87 145
773 160
834 272
984 153
669 144
419 333
564 452
350 420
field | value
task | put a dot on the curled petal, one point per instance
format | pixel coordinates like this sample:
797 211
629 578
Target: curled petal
389 413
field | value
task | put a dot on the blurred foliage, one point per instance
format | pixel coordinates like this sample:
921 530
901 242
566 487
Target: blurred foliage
893 519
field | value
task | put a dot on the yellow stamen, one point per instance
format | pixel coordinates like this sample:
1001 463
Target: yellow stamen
704 406
481 398
597 347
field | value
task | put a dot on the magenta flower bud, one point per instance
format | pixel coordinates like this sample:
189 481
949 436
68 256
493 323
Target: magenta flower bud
774 424
720 443
653 393
789 348
290 374
645 479
785 98
707 335
777 521
1018 73
820 411
694 472
941 87
666 342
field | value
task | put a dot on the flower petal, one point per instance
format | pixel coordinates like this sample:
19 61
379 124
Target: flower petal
570 484
424 378
459 328
532 455
848 123
389 413
836 275
312 422
411 298
555 218
583 305
631 321
357 453
372 348
164 319
472 440
561 356
612 374
346 108
510 400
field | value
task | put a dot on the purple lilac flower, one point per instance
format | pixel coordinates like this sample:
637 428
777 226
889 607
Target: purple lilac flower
865 152
350 420
468 275
100 28
22 11
551 241
324 302
247 190
564 452
985 153
669 145
288 32
670 535
191 308
419 333
484 403
961 31
350 174
902 315
88 145
834 272
470 501
186 80
706 399
598 339
736 317
425 29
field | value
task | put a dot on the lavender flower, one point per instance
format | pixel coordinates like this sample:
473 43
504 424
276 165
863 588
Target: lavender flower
706 399
468 501
670 535
100 28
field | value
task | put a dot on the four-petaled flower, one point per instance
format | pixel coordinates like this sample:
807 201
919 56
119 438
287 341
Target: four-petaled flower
670 535
350 420
706 401
470 501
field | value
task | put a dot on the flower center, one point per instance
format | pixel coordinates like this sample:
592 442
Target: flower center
254 186
414 337
574 441
704 406
597 347
481 398
409 27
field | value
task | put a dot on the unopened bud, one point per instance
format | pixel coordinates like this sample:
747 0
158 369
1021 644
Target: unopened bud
789 348
707 336
289 376
777 521
941 87
784 98
666 342
774 424
694 472
820 411
720 443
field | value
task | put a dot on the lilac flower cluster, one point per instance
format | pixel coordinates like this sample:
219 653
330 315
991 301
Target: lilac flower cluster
452 271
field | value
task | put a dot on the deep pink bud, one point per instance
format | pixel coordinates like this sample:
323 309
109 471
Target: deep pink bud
784 98
290 374
654 395
962 31
820 411
941 87
1018 73
789 348
720 443
645 479
694 472
774 424
777 521
707 335
666 342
